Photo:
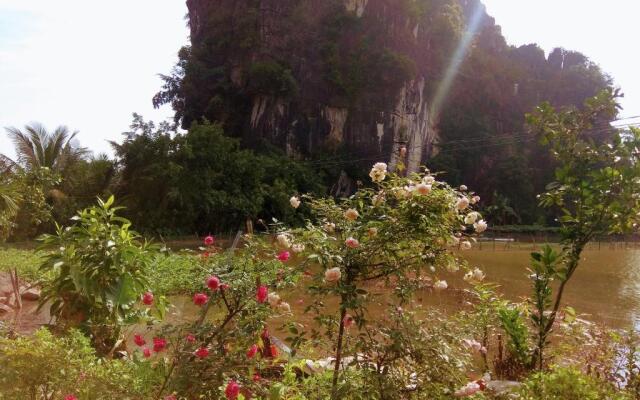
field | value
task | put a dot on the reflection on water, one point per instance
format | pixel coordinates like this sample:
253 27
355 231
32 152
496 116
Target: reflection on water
605 287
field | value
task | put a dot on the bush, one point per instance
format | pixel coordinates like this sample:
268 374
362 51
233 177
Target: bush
567 384
100 268
45 367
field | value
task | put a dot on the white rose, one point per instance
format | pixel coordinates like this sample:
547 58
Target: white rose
351 214
352 243
283 240
428 180
273 299
378 172
295 202
423 188
480 226
471 218
478 275
284 307
332 274
462 203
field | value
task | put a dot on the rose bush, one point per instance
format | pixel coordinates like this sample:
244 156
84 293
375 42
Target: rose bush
402 234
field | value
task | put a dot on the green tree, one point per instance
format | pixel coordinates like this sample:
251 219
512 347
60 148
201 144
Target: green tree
37 148
202 181
596 184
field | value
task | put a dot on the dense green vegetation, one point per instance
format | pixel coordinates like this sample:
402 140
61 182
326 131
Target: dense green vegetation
394 236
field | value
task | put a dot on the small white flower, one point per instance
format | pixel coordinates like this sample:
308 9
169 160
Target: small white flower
428 180
283 240
463 188
480 226
471 218
295 202
462 203
332 274
378 172
273 299
284 307
468 276
401 193
352 243
351 214
469 389
478 275
465 245
297 248
330 227
440 285
475 275
423 188
475 199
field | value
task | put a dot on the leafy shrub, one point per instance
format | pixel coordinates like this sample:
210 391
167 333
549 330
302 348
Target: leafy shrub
232 319
567 384
45 367
100 268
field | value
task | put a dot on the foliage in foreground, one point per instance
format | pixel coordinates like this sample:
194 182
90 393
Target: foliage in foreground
99 269
45 367
568 384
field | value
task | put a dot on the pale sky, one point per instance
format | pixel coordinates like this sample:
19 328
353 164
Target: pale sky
89 64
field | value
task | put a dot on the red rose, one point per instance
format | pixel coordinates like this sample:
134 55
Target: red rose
159 344
190 338
202 352
146 352
139 340
213 283
232 390
257 377
224 286
147 298
284 256
70 397
252 351
262 293
200 298
208 241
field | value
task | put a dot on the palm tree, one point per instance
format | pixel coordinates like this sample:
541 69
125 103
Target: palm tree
37 148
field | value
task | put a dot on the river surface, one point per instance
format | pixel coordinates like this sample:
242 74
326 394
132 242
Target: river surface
604 289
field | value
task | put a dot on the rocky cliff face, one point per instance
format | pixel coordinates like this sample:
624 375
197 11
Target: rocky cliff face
321 75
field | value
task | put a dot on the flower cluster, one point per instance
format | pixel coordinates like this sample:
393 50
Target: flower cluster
378 172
